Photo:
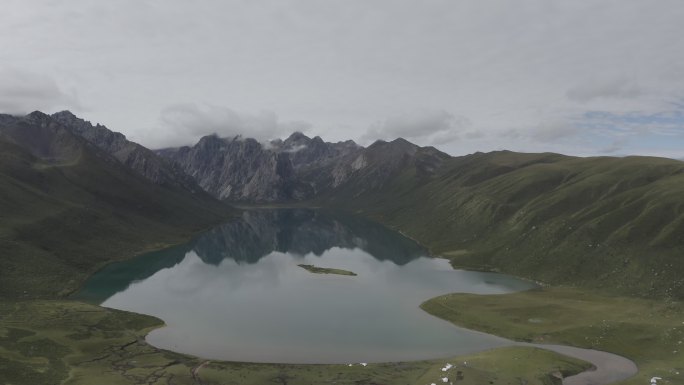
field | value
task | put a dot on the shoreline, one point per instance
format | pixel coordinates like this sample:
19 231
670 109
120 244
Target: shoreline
567 350
608 367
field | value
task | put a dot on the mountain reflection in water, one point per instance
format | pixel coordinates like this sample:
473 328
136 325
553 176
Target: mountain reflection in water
236 292
256 234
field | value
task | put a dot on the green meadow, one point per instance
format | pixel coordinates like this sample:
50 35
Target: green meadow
651 333
67 342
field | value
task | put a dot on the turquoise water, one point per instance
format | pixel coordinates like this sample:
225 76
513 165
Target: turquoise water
236 292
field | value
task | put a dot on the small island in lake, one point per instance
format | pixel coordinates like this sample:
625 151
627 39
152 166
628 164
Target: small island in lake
325 270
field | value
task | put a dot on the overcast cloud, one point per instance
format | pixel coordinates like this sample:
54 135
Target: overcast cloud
187 123
428 127
579 77
606 89
22 92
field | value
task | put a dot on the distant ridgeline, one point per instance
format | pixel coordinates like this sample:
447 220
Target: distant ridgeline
614 223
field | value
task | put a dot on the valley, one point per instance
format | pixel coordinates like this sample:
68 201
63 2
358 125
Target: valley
602 235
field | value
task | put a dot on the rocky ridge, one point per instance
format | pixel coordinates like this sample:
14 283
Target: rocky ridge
134 156
295 169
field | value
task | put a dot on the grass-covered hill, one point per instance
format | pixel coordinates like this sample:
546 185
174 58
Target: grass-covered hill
67 208
613 223
70 202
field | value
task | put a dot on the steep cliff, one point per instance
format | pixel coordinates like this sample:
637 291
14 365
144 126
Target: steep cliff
238 169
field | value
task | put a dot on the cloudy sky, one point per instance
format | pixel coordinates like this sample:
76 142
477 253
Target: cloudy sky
578 77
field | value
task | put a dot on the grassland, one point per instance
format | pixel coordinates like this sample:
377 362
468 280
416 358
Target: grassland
325 270
611 228
612 224
67 342
651 333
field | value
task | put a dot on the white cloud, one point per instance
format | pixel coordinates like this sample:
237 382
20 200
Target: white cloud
505 65
22 92
553 131
423 127
615 147
606 88
184 124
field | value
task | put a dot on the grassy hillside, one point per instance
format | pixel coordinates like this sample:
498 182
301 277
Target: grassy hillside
63 217
610 223
648 332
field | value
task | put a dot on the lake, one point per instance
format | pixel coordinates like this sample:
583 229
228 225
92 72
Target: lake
236 293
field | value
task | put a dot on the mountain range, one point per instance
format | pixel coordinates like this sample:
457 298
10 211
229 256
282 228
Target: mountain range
297 168
608 222
605 222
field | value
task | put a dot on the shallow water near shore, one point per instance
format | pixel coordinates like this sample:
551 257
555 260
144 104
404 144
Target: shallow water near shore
237 293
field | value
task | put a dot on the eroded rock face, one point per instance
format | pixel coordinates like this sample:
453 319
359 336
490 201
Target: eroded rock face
136 157
240 169
297 168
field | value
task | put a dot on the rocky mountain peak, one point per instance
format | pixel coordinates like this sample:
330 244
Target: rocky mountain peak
295 142
394 150
82 126
39 115
401 143
296 168
134 156
38 118
98 135
43 137
65 114
297 136
244 169
211 142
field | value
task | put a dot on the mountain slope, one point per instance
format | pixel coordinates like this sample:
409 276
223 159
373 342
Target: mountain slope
383 166
615 223
132 155
67 207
